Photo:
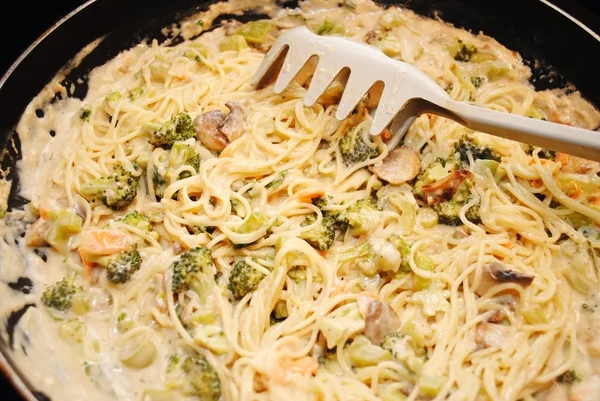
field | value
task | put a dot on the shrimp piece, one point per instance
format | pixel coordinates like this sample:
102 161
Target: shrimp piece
304 365
308 194
104 242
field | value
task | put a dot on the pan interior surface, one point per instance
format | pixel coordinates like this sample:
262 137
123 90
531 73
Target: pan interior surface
71 103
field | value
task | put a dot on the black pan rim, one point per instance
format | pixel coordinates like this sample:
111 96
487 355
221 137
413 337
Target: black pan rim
17 379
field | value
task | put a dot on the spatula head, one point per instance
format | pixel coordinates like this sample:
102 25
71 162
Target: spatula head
368 66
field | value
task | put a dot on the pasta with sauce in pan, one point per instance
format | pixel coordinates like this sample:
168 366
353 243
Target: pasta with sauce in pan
206 240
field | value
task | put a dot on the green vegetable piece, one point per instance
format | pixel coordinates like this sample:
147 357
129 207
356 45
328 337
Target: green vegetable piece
467 145
578 220
135 93
81 303
255 222
354 148
362 216
200 379
62 229
536 113
323 236
116 191
184 154
85 114
137 220
431 384
73 330
423 262
363 353
280 310
404 247
582 274
160 185
277 181
429 217
124 323
464 52
120 269
256 32
138 351
482 166
179 128
113 97
389 47
243 279
477 81
328 28
193 270
235 43
448 213
570 377
405 350
58 296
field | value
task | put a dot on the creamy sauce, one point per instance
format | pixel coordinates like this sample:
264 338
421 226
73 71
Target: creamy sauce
55 366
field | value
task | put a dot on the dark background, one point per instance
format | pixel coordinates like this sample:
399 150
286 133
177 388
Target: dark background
24 21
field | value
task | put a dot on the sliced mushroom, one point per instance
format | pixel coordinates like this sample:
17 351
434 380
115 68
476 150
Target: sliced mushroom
401 165
495 273
492 335
445 189
233 124
207 130
380 320
216 129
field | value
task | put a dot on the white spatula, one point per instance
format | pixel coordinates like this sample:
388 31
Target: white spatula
407 93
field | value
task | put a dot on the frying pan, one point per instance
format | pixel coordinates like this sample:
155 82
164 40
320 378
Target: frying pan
559 49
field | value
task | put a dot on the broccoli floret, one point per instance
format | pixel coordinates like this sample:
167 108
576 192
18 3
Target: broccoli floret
137 220
361 216
189 267
464 52
569 377
376 255
179 128
542 154
403 247
243 279
321 201
466 145
448 213
323 236
201 379
340 219
85 114
353 147
447 210
58 296
477 81
405 350
183 153
436 171
116 191
120 269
